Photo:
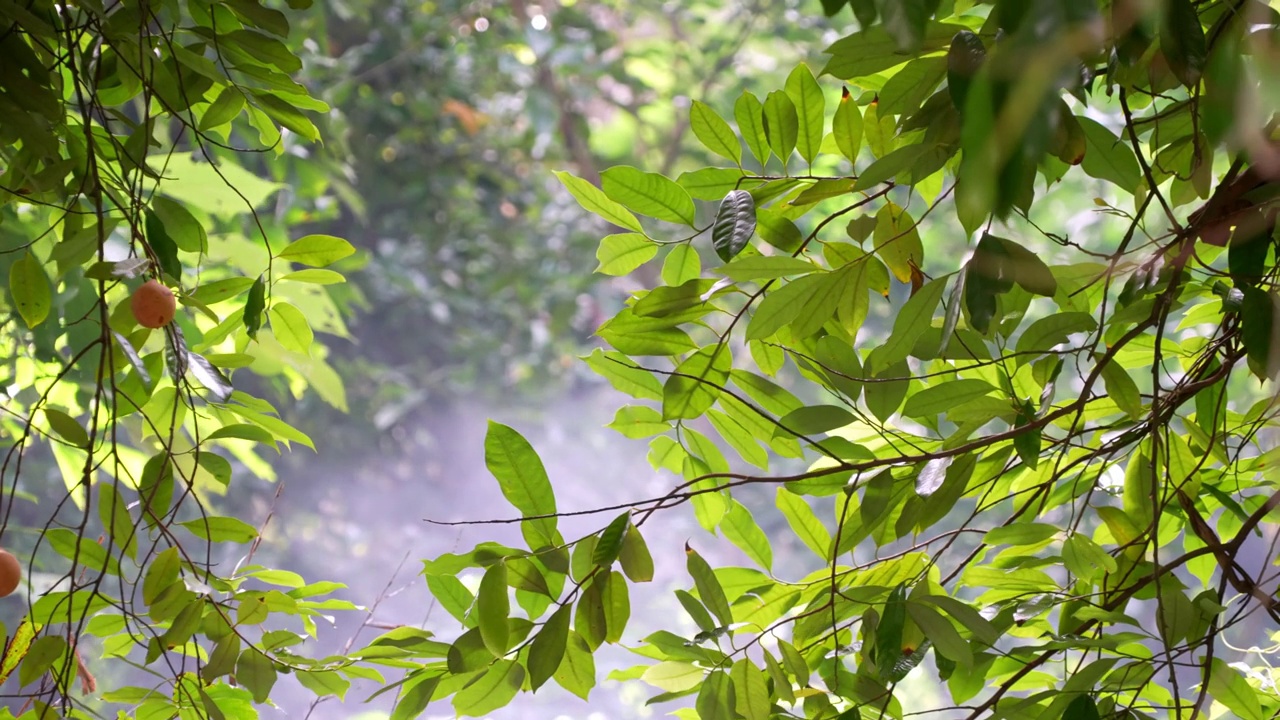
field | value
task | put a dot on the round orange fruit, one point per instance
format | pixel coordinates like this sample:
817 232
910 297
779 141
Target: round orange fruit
153 305
10 573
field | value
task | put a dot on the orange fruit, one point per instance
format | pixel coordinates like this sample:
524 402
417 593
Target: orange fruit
153 305
10 573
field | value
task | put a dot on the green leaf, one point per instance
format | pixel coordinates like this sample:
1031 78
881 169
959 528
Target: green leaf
1258 331
766 267
634 556
715 697
778 230
115 517
256 673
1050 331
415 697
492 608
673 676
577 672
681 266
846 127
810 300
609 546
180 225
225 108
804 523
741 529
1027 443
494 689
162 245
1183 42
696 383
887 389
897 241
221 529
29 289
593 200
1107 157
548 647
1081 707
290 328
814 419
623 374
915 317
591 620
1085 558
1122 389
714 133
709 589
1228 687
874 49
712 183
617 605
316 250
891 165
749 114
520 474
621 253
889 633
66 427
810 108
648 193
965 58
254 306
44 651
1020 534
750 691
781 124
911 85
938 630
936 399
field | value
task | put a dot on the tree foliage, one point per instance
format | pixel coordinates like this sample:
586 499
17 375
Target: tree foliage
991 330
1035 454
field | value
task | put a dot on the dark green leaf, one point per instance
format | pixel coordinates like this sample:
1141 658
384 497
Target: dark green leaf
254 307
964 59
548 647
704 578
609 545
1183 42
165 249
1258 330
715 697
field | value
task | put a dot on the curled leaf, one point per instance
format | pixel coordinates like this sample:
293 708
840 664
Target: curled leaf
734 224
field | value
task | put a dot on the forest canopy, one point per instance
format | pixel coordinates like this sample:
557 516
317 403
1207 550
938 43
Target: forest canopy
980 306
